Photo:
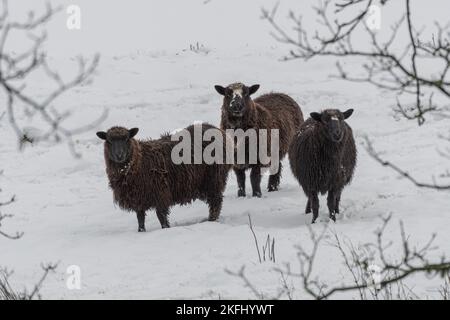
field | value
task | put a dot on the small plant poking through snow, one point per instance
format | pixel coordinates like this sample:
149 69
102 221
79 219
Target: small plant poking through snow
199 48
268 249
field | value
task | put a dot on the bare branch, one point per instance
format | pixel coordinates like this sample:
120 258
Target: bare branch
384 68
7 292
374 154
412 261
14 70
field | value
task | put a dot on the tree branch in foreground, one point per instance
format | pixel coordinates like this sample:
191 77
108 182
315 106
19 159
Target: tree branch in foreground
375 155
7 292
374 273
385 66
16 69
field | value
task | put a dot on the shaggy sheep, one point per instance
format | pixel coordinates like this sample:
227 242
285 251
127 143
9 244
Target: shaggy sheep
269 111
143 176
323 157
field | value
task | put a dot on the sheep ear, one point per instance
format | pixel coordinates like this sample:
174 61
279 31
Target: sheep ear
101 135
316 116
348 113
220 90
253 89
133 132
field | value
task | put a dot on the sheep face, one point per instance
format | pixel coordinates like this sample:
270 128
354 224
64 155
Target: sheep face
333 122
117 143
236 98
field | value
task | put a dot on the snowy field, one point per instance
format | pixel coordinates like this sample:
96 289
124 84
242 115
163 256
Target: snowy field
66 212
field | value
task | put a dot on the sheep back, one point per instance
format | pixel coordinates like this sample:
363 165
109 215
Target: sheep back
151 180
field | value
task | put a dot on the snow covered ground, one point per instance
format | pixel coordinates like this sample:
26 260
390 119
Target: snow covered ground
66 212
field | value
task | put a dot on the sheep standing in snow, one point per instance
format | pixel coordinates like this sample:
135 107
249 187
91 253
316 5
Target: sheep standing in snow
323 157
269 111
143 176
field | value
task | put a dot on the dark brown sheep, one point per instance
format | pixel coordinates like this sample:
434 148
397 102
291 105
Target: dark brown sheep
323 157
269 111
143 176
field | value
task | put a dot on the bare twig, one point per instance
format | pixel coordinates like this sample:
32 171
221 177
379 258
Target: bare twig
375 155
7 292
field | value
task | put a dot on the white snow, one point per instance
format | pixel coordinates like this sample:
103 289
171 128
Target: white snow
66 212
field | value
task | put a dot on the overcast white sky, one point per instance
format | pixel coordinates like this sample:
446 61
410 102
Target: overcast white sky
123 26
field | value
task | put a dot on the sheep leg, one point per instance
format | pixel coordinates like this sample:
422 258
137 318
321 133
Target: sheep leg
314 198
240 175
215 206
255 178
331 202
308 207
274 180
141 220
338 200
162 215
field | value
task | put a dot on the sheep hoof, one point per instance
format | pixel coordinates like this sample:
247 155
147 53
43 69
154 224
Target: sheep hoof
241 193
314 220
141 229
272 188
333 217
257 194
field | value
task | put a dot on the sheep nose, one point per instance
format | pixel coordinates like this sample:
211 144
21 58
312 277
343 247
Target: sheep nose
337 135
236 107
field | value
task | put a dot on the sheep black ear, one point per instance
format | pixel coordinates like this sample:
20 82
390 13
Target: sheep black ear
253 89
348 113
133 132
101 135
316 116
220 90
